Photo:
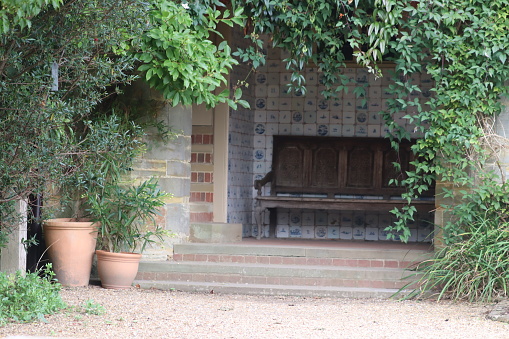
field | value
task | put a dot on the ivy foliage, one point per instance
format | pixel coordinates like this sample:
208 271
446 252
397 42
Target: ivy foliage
314 32
462 46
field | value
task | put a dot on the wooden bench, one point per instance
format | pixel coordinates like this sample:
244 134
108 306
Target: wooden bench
329 173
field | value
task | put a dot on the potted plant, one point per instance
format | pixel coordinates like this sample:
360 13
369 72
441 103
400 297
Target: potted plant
127 224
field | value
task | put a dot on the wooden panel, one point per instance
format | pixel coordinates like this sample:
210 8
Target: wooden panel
389 172
325 168
290 167
360 167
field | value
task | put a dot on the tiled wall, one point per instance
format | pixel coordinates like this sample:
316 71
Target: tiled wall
278 111
240 149
346 225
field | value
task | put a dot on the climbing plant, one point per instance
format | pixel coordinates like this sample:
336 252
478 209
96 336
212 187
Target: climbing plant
461 45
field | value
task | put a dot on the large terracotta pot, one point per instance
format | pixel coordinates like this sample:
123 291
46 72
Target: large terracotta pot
117 270
71 246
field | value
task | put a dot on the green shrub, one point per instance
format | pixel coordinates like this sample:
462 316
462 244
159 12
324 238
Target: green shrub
30 296
475 268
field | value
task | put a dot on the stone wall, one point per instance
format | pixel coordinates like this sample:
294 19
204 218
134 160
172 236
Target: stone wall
169 162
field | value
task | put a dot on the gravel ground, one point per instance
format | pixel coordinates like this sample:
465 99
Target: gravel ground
136 313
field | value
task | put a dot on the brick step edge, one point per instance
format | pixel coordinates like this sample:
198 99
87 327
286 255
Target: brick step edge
277 260
274 281
274 290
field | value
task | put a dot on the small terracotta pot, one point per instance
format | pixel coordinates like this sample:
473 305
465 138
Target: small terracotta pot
71 246
117 270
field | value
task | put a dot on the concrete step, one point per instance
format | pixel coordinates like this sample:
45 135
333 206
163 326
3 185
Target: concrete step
346 269
291 275
276 290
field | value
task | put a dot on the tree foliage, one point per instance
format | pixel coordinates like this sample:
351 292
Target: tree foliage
62 64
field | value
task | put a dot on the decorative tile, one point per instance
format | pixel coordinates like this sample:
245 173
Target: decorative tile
322 117
333 219
375 106
284 78
310 117
348 131
272 129
297 116
310 104
308 232
361 118
373 131
258 154
336 118
372 220
335 130
371 233
298 104
273 91
260 116
382 234
260 128
295 231
374 92
346 219
322 130
361 76
333 232
336 106
359 233
285 104
282 231
273 104
359 220
321 218
285 117
361 104
259 167
283 216
295 218
308 219
349 118
259 141
285 129
261 91
345 233
312 91
310 129
261 103
273 77
321 232
361 131
261 79
297 129
285 91
272 117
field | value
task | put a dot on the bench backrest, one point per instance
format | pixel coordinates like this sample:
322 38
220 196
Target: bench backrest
337 166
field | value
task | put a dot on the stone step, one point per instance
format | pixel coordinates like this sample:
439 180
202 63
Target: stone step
275 267
276 290
304 275
356 255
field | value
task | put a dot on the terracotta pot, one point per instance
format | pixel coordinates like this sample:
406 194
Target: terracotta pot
117 270
71 246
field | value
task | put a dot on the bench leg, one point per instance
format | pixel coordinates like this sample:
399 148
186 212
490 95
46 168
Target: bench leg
259 220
